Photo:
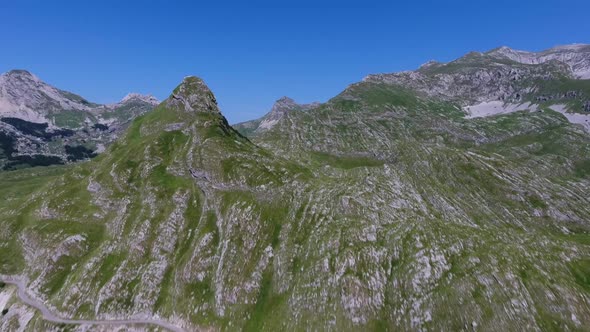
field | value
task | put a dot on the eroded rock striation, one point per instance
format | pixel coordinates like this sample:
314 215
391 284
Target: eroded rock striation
392 206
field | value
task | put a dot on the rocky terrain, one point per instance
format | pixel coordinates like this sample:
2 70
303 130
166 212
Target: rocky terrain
281 107
454 197
42 125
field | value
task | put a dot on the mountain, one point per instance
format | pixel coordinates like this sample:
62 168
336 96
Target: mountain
399 204
149 218
23 95
575 56
500 75
148 99
42 125
281 107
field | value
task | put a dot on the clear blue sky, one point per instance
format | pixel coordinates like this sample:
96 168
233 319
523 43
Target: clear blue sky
252 53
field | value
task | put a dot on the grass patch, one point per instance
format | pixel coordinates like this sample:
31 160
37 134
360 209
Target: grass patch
108 268
345 162
266 303
536 201
581 271
582 168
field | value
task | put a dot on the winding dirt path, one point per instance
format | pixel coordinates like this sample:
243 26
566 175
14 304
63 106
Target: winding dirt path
51 317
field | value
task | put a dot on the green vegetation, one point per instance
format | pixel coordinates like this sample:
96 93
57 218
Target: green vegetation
581 271
344 162
266 305
382 209
69 119
582 168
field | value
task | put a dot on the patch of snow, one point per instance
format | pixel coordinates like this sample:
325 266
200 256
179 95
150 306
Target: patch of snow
490 108
583 119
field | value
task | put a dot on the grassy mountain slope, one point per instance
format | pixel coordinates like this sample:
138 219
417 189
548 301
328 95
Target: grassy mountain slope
383 209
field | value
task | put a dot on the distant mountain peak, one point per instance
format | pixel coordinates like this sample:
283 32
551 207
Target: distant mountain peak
285 99
280 108
138 96
22 72
22 75
504 50
573 55
283 104
429 64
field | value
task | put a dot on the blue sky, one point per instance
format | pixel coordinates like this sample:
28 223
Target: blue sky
252 53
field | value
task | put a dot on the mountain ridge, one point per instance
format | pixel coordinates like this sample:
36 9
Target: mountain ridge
280 108
389 207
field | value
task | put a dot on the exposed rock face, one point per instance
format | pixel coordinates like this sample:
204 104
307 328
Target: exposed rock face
480 78
576 56
24 95
79 124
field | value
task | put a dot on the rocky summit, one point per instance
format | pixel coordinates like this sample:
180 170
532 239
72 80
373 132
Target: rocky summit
280 108
452 197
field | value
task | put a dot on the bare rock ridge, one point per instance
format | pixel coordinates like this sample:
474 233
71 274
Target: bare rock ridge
503 74
140 97
279 110
285 104
576 56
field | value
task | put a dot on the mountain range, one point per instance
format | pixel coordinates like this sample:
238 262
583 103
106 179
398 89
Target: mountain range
452 197
43 125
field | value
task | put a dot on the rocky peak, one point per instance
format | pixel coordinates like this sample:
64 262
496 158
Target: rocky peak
429 64
19 79
20 73
282 106
193 95
285 100
140 97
